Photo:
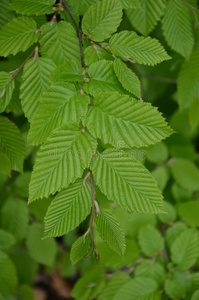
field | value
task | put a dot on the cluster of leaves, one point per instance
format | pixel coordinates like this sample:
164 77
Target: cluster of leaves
83 90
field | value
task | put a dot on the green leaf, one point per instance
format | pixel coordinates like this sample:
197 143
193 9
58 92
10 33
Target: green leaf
35 79
150 240
188 81
68 150
127 182
26 292
184 250
110 231
102 19
145 17
174 232
7 240
114 118
5 164
95 53
18 35
186 174
6 13
161 175
69 106
138 288
171 213
55 45
139 49
195 295
21 184
194 113
12 143
112 286
178 28
127 78
32 7
14 217
83 5
130 4
8 278
102 79
69 71
157 153
153 270
68 209
5 93
174 289
42 251
189 213
80 248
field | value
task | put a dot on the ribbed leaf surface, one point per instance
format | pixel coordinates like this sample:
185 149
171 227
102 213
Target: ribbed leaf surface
127 182
32 7
146 17
59 42
69 71
188 81
177 27
174 289
18 35
139 49
153 270
5 164
110 230
130 4
5 94
36 78
80 248
68 209
184 250
69 106
95 53
12 143
8 276
127 78
14 217
138 288
61 160
6 12
102 79
42 251
102 19
125 122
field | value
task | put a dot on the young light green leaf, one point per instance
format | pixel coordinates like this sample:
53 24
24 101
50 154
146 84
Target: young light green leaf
114 117
5 92
68 209
102 19
42 251
194 113
8 278
55 45
110 230
12 143
102 79
69 106
186 174
35 79
174 232
69 71
153 270
130 4
188 81
171 213
178 28
189 212
184 250
82 5
138 288
14 217
32 7
80 248
127 182
150 240
95 53
61 160
18 35
7 240
161 174
127 78
139 49
174 289
157 153
145 17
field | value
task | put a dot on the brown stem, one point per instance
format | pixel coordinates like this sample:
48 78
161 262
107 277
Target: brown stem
93 210
193 10
79 32
98 44
17 70
190 6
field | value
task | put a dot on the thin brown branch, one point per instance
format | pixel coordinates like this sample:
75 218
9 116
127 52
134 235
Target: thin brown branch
17 70
163 79
193 10
93 210
189 5
79 32
98 44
